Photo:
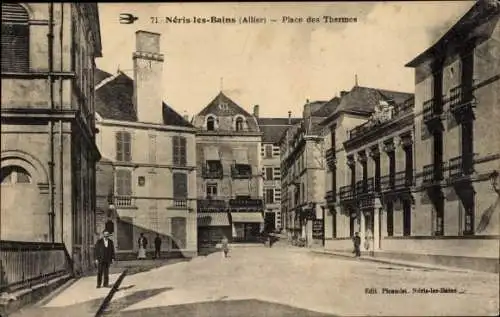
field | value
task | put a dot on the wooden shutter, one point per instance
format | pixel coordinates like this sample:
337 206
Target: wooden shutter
15 38
124 183
182 151
180 185
175 153
119 146
127 147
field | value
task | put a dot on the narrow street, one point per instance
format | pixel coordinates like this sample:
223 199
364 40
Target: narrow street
258 281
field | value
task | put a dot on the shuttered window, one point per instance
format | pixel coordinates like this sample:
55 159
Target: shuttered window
15 38
123 146
179 151
180 185
123 182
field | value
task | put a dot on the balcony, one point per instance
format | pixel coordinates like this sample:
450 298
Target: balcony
430 112
365 187
330 197
431 174
241 171
215 172
330 158
403 180
461 166
248 203
346 193
217 204
124 201
385 183
461 102
181 203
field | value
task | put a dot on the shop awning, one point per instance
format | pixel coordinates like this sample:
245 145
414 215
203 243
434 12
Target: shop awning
253 217
240 156
211 153
213 219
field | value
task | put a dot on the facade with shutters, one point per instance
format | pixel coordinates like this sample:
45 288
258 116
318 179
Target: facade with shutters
48 151
229 184
151 149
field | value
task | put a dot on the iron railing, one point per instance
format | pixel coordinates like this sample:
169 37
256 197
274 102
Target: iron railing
346 192
461 165
26 264
251 203
429 111
212 173
330 197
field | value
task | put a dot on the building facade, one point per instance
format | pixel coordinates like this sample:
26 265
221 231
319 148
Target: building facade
303 167
229 183
48 150
151 150
272 130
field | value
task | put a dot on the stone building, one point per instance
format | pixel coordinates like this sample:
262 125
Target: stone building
303 168
229 183
151 150
48 151
457 152
354 136
272 129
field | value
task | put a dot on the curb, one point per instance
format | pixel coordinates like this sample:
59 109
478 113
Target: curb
111 293
58 291
387 261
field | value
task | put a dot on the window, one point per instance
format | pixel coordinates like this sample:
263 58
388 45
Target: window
15 175
179 151
15 38
269 174
211 190
239 124
270 196
123 183
269 151
210 123
123 146
180 185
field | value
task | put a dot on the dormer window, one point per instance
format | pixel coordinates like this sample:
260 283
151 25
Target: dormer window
239 124
210 123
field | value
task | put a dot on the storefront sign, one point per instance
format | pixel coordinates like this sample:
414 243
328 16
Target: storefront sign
317 229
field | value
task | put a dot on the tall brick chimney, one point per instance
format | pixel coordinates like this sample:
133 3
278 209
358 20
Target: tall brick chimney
289 117
148 73
256 111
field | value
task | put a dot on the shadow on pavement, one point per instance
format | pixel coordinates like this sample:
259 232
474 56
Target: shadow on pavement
138 266
83 309
115 306
230 308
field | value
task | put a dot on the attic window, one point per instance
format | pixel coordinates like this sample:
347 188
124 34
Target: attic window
211 124
239 124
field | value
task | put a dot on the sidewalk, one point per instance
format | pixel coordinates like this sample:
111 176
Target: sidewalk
410 264
79 299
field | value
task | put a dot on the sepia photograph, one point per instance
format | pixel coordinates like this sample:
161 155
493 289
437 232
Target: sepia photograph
250 159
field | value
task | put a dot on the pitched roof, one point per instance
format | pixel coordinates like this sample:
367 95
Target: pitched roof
327 108
100 75
273 128
114 100
364 99
483 11
232 107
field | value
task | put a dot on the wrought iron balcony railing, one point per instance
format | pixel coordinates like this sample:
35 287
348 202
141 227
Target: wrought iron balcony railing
430 110
432 173
330 197
461 165
346 192
218 204
330 157
403 179
212 173
246 203
365 186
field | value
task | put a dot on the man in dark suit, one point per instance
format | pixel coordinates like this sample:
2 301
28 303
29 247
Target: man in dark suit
104 256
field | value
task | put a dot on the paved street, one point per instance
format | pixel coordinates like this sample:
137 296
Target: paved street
258 281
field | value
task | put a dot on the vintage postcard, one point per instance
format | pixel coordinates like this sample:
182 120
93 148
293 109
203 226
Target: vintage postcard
250 159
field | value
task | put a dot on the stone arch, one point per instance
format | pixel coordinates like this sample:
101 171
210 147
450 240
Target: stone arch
30 163
236 120
209 118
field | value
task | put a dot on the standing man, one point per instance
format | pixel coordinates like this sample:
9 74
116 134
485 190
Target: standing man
357 243
157 246
104 255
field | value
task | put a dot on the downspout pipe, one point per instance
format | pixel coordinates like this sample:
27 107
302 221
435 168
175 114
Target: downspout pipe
61 156
50 38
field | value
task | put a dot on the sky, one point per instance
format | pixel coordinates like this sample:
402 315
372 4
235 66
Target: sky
278 65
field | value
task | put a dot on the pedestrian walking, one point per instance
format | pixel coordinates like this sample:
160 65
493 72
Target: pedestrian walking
225 246
104 254
357 243
143 244
157 246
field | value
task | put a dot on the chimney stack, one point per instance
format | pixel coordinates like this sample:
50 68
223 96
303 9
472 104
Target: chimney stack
148 73
289 117
256 111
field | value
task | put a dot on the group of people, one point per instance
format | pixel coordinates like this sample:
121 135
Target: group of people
143 245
